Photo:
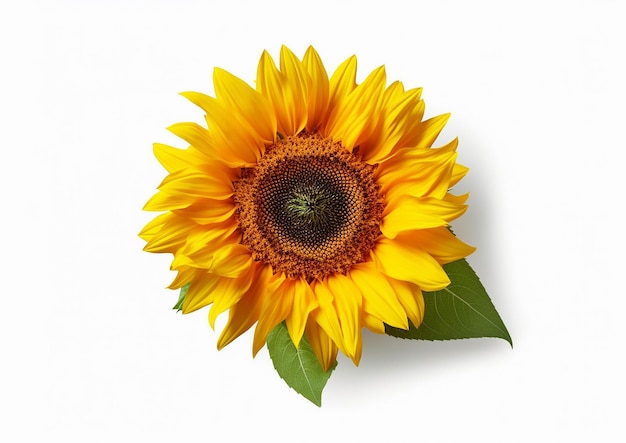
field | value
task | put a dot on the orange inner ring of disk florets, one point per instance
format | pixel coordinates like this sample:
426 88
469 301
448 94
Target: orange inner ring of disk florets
309 208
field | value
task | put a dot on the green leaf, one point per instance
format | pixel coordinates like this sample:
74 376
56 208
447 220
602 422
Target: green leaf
299 367
462 310
181 298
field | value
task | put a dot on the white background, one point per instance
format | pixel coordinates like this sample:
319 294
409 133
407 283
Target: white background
91 349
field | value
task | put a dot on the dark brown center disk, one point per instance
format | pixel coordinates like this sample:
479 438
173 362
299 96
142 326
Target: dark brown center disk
309 208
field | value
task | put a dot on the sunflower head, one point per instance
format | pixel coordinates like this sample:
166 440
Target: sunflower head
309 208
310 200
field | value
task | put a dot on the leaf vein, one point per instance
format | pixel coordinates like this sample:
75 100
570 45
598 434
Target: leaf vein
475 310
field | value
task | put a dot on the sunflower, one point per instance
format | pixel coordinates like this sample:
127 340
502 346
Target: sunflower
310 200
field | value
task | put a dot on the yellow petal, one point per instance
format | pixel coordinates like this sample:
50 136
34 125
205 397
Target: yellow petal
296 92
447 148
303 303
200 182
347 302
326 314
443 245
324 348
275 309
230 134
171 235
342 82
203 241
162 201
195 135
208 211
410 297
419 172
397 117
412 122
229 291
231 260
429 130
232 140
458 172
153 227
270 83
317 101
253 108
456 199
201 292
183 276
355 117
281 89
403 260
174 159
373 323
408 213
394 94
248 309
379 298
